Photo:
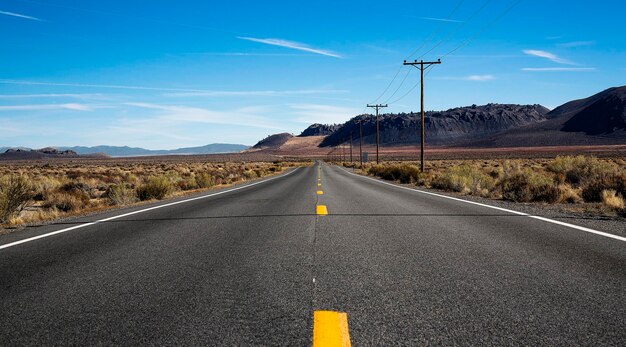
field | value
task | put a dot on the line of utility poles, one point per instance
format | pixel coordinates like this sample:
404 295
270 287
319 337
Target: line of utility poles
422 65
377 106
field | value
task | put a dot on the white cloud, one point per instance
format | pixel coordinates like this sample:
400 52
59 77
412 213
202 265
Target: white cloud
316 113
13 14
577 44
222 93
173 114
473 78
441 19
573 69
291 44
36 96
47 107
547 55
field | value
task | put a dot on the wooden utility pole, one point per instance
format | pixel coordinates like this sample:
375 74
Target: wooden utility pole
351 147
361 142
377 106
422 65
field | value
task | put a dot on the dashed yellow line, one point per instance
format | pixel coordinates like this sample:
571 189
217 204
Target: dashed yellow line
319 192
330 329
321 210
319 184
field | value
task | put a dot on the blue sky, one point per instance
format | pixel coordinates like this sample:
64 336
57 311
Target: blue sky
166 74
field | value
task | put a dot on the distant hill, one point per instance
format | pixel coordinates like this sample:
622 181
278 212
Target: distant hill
450 127
597 120
125 151
273 141
34 154
320 129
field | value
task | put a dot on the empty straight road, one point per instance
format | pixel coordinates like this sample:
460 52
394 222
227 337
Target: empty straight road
251 266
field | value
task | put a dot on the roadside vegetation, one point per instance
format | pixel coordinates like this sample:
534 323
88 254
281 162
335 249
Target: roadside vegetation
591 184
35 193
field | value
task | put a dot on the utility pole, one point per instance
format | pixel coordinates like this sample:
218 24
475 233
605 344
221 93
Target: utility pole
377 106
361 142
351 147
422 65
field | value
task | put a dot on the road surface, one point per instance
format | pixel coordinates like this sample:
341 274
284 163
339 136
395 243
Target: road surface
250 266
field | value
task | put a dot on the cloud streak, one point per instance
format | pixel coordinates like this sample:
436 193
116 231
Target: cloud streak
47 107
222 93
472 78
577 44
572 69
441 19
547 55
175 115
13 14
292 45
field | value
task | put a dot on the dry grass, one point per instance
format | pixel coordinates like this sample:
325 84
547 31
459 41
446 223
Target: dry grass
57 189
579 180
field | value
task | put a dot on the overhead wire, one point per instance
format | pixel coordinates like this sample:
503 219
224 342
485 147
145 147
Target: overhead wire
485 28
458 28
432 34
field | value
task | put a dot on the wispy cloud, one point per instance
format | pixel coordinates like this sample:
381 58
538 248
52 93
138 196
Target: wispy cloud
47 107
547 55
13 14
175 114
441 19
291 44
473 78
222 93
577 44
572 69
316 113
37 96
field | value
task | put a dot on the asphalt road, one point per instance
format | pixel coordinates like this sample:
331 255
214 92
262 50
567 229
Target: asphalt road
250 266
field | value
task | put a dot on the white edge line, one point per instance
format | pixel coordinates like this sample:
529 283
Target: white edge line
597 232
140 211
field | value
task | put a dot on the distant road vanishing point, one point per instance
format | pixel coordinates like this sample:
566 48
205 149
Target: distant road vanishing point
319 256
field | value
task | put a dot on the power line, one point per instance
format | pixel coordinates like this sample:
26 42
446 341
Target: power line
434 32
452 32
485 28
399 86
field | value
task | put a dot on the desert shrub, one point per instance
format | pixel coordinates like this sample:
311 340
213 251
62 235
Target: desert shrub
67 201
613 200
249 175
528 186
405 173
15 193
188 183
569 195
120 195
581 170
592 192
204 180
464 179
156 187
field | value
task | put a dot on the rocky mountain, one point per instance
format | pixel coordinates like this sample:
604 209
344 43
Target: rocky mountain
450 127
273 141
320 129
597 120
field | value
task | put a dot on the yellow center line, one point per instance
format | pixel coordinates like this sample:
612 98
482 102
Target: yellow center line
321 210
319 192
319 184
330 329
